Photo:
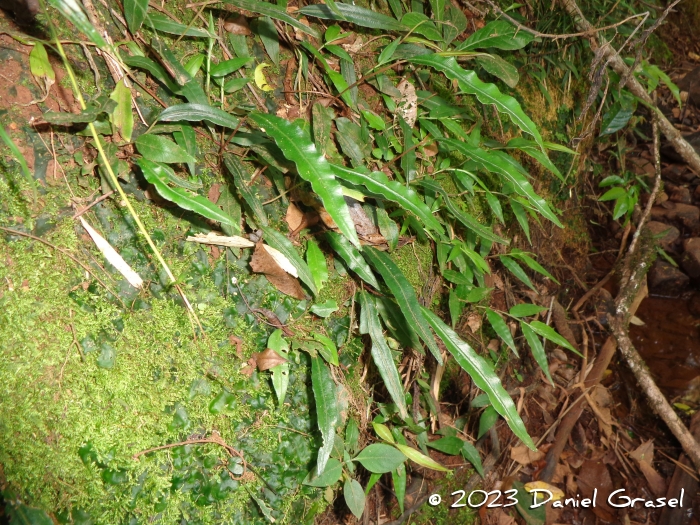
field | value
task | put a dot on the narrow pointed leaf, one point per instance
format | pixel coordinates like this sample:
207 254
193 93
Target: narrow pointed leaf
355 14
549 333
135 12
273 11
155 69
381 353
420 458
472 456
405 295
198 112
229 66
73 11
526 310
240 176
122 116
517 270
159 149
399 478
326 408
312 167
280 373
486 93
521 216
186 200
482 374
281 243
501 328
351 256
537 349
166 25
407 198
533 264
316 260
531 149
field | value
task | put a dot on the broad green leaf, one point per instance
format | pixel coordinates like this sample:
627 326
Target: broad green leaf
407 198
194 64
499 34
73 11
467 220
135 13
374 120
380 458
235 84
325 309
198 112
447 445
284 245
155 69
122 116
355 14
501 328
312 167
107 357
536 153
273 11
526 310
486 93
330 476
39 62
383 432
316 260
267 31
472 456
487 420
156 175
422 25
166 25
537 349
499 68
187 139
456 24
549 333
21 514
457 277
229 66
327 348
405 295
613 193
482 374
421 459
351 256
533 264
354 495
381 353
264 507
280 373
240 177
388 52
326 408
495 164
517 270
159 149
618 115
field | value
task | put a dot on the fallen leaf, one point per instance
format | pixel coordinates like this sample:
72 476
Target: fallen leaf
595 474
214 193
474 322
221 240
523 455
407 106
644 456
282 260
268 358
263 262
294 217
557 493
237 26
259 77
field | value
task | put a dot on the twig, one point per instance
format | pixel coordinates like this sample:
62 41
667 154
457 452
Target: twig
96 201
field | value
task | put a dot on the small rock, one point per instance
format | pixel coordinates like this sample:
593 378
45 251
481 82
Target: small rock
691 261
661 198
681 194
665 233
685 213
696 193
658 213
694 304
667 280
692 243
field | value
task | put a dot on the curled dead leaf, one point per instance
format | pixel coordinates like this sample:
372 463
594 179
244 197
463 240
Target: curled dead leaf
263 262
268 359
523 455
407 106
294 217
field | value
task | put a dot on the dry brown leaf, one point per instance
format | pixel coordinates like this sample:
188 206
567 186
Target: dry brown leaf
499 517
644 456
268 358
237 26
474 322
595 475
407 106
294 217
523 455
263 262
221 240
214 193
363 224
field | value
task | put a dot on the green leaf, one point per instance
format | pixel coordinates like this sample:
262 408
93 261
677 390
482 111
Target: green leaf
399 478
312 167
374 120
549 333
351 256
467 220
378 183
187 139
486 93
159 149
280 373
229 66
537 349
89 114
499 34
326 408
39 62
240 177
156 175
618 116
499 68
194 64
383 432
421 459
107 357
533 264
536 153
135 13
268 34
472 456
284 245
380 458
447 445
521 216
388 52
166 25
526 310
457 277
330 476
273 11
405 295
482 374
155 69
327 349
495 164
354 495
317 263
501 328
21 514
198 112
325 309
381 354
516 270
355 14
613 193
73 11
123 117
487 420
422 25
337 79
168 175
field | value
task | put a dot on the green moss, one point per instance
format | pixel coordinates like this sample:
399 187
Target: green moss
414 260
